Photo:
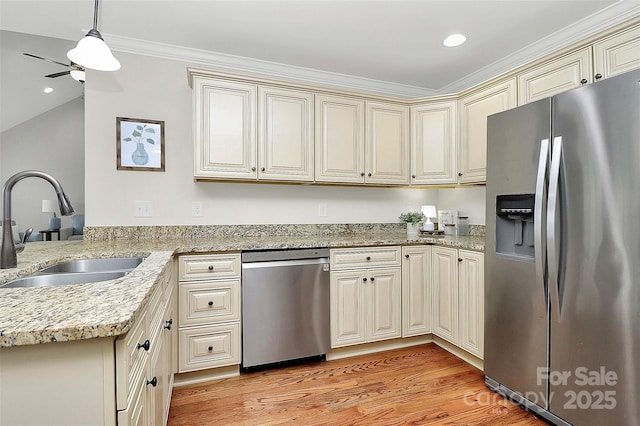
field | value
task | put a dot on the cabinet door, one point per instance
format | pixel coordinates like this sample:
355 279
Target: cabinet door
555 76
434 143
347 308
339 141
445 293
473 127
387 147
225 122
618 53
416 290
285 139
471 297
385 293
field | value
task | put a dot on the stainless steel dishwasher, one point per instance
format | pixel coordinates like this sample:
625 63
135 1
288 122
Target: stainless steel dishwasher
285 305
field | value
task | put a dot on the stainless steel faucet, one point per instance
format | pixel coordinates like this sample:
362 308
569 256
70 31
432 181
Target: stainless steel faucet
8 256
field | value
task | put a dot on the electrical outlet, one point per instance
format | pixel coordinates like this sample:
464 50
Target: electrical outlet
322 210
196 209
142 208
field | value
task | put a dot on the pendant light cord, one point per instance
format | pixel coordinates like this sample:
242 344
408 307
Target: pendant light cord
95 16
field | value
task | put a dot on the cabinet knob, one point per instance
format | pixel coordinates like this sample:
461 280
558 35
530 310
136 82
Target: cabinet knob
167 324
146 345
262 169
413 176
362 174
253 169
210 303
406 256
364 279
210 348
369 174
153 382
368 257
373 279
584 81
598 76
459 173
211 267
459 259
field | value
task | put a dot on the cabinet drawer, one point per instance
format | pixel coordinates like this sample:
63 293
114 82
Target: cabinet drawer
373 257
205 302
207 347
130 362
209 267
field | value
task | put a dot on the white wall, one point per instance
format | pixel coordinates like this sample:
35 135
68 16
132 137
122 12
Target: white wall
52 142
468 201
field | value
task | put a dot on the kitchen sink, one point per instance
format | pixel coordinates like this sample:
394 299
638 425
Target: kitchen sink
63 279
94 265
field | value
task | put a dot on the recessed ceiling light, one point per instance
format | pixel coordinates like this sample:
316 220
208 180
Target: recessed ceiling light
454 40
48 89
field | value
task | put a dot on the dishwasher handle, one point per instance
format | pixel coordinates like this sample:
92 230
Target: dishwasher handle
286 263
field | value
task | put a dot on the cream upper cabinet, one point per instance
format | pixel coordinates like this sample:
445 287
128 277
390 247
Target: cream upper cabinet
445 293
387 144
434 143
474 110
617 53
225 123
471 307
339 142
416 290
285 137
555 76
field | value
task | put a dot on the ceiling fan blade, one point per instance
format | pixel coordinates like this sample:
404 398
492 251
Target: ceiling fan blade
45 59
58 74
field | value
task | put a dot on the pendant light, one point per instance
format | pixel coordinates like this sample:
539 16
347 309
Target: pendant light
92 52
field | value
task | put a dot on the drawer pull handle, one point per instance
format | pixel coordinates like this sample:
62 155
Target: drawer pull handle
146 345
368 257
210 348
153 382
211 267
167 324
210 303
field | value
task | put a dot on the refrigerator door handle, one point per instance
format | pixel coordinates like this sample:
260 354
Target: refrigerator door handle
539 249
552 255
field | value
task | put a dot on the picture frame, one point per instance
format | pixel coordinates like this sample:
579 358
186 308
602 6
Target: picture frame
140 144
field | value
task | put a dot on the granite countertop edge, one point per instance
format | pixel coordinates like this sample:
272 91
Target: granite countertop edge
108 309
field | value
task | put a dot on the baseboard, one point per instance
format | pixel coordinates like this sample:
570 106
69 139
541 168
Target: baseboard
196 377
460 353
385 345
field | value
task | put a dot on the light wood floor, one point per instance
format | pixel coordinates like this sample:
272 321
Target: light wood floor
421 385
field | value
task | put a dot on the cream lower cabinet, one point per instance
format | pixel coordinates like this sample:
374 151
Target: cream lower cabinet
365 295
458 298
416 290
209 311
474 110
434 143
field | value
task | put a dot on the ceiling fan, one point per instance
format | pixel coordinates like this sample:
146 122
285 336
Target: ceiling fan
75 70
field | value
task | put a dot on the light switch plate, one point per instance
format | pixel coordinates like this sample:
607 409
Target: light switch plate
322 210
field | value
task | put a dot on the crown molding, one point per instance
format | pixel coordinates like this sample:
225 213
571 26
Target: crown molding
617 13
613 15
222 62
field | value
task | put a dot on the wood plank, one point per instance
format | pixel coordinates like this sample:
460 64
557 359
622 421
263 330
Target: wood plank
417 385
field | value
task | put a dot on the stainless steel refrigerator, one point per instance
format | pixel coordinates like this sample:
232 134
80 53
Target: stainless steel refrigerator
562 255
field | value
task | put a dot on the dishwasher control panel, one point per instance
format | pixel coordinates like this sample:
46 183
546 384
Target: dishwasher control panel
291 254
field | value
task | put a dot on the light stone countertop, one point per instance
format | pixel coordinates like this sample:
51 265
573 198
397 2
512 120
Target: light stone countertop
109 308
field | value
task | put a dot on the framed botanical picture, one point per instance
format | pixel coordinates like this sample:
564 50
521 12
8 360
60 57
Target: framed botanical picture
140 144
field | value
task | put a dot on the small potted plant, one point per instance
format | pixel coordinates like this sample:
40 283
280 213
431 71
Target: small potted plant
412 219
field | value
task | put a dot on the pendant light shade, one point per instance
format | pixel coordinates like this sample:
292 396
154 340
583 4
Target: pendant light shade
92 52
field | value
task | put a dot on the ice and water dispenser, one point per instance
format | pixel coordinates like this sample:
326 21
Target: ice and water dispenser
514 225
